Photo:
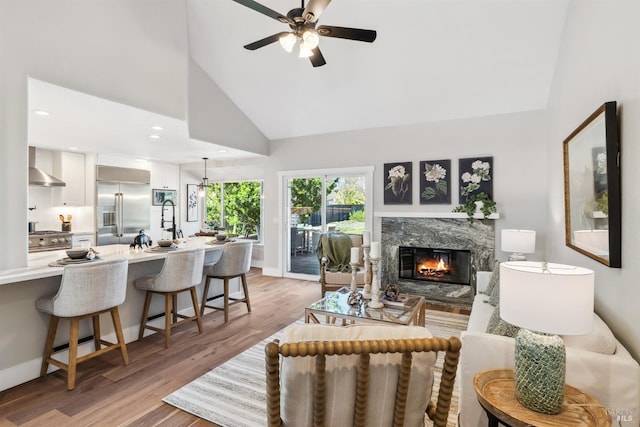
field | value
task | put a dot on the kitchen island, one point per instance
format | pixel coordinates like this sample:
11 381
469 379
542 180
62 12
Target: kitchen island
23 329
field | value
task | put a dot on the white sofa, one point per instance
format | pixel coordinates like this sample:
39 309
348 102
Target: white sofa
613 379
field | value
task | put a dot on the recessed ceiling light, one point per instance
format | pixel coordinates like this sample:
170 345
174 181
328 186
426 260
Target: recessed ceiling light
41 112
154 136
222 150
73 148
156 127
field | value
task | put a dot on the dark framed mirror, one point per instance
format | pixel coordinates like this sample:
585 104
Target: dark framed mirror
592 187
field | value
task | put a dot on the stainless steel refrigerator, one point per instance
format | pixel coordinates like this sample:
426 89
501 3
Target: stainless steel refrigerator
123 203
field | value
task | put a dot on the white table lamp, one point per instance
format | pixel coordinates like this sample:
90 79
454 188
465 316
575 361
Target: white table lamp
548 299
518 242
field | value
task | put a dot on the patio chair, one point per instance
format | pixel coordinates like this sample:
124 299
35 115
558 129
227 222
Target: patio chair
334 252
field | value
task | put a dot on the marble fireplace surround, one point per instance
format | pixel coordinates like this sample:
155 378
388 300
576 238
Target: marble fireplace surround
451 231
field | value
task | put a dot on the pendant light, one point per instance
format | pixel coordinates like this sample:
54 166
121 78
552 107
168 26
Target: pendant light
205 182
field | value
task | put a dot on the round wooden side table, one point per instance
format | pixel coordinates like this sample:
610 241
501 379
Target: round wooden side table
496 394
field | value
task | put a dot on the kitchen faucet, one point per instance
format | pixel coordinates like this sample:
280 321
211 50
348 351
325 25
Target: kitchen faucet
173 218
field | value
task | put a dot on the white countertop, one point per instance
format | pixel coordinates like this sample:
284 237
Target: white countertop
38 263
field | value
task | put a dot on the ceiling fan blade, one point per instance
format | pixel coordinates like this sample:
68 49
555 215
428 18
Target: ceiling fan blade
265 11
317 60
314 9
347 33
265 41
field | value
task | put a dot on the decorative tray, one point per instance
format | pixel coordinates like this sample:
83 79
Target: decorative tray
70 261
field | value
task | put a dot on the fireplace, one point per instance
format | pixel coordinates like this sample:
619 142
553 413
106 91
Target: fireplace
435 265
436 232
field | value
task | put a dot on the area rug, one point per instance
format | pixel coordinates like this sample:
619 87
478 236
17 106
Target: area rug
233 394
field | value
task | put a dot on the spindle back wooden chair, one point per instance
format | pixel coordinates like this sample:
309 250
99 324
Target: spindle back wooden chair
400 394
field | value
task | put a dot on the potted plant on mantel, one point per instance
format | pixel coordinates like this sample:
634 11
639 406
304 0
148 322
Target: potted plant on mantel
477 203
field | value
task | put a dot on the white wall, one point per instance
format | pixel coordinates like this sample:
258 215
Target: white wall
214 117
600 61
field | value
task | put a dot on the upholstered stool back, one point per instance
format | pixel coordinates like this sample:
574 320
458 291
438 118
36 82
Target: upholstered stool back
235 260
182 269
88 288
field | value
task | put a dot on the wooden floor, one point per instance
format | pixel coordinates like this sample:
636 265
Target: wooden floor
109 394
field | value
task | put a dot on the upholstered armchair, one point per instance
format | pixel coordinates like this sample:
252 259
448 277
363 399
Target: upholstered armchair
334 253
364 375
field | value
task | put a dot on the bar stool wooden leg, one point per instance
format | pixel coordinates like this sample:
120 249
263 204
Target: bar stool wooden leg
117 326
194 300
96 332
167 319
145 314
48 346
246 291
226 299
174 300
205 295
73 353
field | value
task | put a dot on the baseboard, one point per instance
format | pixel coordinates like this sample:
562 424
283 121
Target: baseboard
275 272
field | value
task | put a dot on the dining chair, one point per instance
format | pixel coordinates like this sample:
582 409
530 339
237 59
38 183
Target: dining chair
86 290
235 261
181 272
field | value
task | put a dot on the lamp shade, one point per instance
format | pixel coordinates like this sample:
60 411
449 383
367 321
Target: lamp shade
519 241
545 297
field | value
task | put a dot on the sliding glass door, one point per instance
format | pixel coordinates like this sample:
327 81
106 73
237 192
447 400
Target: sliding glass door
317 202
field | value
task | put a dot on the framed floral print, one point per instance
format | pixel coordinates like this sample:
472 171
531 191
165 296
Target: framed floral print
192 202
475 177
397 188
435 182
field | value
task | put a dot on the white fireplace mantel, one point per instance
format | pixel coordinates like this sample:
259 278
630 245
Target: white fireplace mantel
460 215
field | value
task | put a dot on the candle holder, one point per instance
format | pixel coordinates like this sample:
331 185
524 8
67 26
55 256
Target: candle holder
367 272
375 285
354 296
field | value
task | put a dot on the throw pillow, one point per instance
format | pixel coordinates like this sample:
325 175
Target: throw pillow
600 340
494 296
494 280
497 326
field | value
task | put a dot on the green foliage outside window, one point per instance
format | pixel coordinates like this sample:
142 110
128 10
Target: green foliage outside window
242 203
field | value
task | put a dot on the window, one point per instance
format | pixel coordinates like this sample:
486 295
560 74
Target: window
237 207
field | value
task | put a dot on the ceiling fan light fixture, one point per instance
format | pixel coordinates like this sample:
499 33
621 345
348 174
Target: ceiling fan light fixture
305 51
288 41
311 39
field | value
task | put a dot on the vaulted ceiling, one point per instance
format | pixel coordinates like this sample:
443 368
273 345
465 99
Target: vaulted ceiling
432 60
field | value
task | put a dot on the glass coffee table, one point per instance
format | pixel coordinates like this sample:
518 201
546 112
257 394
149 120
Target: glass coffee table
334 306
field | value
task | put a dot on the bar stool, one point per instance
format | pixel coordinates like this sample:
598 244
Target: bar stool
86 290
235 261
181 272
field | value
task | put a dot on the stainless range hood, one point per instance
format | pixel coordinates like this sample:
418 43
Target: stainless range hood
39 177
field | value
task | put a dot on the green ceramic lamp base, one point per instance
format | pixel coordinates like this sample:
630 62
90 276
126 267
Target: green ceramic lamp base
539 371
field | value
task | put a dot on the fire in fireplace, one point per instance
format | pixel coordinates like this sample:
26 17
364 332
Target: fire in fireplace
435 265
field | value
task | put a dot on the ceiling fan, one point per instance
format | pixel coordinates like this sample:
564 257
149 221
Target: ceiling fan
302 21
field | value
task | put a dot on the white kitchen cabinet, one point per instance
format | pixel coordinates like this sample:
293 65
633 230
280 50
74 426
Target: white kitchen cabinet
165 176
70 167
